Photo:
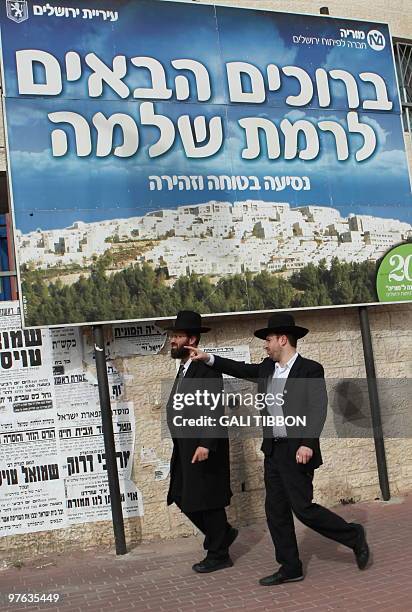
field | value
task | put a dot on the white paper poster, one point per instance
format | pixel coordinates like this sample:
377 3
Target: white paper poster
88 500
238 353
31 485
52 457
142 338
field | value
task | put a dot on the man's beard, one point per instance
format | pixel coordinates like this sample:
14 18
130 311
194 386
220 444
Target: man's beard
179 353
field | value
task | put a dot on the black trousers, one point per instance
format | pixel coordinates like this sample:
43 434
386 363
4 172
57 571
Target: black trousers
289 489
215 527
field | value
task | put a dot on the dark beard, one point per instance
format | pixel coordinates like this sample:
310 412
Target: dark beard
179 353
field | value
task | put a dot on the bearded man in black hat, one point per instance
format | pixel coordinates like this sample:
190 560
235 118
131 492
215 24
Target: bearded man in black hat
199 468
291 455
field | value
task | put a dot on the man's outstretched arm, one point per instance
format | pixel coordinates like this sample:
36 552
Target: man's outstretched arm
238 369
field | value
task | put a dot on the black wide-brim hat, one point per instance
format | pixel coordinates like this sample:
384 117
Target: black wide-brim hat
281 323
189 321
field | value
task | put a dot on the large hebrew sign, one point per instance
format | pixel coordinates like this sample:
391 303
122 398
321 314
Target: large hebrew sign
166 155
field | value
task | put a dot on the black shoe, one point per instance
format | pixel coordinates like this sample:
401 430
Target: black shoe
279 577
361 548
211 565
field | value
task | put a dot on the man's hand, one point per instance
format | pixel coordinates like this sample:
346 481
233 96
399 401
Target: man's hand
196 354
304 454
201 454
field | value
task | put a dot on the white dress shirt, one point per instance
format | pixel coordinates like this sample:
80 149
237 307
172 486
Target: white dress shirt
280 372
276 386
283 371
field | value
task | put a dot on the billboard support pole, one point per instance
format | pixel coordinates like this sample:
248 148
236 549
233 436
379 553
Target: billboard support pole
374 402
109 445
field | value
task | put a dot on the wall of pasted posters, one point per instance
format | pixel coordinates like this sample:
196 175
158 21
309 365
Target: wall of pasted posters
52 458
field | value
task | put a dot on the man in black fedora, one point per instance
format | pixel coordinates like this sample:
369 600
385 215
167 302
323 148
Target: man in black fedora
199 468
291 454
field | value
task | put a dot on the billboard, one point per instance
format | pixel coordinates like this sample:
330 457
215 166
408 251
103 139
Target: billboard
167 155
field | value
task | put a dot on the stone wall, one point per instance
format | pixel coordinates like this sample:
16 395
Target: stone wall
349 471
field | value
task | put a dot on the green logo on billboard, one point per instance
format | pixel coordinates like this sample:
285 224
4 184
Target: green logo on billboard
394 277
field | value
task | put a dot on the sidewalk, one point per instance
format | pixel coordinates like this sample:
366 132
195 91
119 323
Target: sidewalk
158 577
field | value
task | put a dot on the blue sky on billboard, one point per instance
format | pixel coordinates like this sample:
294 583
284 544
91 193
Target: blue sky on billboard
112 187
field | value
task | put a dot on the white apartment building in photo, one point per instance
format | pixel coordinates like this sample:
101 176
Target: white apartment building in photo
221 238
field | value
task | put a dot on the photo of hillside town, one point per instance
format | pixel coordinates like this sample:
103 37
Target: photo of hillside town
211 257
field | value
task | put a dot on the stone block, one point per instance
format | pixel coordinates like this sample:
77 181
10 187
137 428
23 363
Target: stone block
156 521
336 354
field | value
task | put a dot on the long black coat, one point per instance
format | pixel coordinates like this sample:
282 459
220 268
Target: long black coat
204 485
304 394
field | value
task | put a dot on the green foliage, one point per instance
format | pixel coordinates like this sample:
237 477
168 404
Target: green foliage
115 239
140 291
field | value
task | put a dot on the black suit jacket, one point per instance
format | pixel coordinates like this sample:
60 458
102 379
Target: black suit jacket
206 484
304 395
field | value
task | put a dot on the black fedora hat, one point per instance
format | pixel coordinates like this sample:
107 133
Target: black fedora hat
188 321
281 323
